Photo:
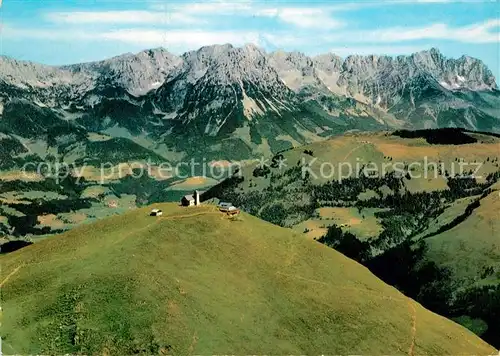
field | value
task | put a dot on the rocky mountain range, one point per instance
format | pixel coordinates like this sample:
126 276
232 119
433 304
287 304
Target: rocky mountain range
223 103
233 102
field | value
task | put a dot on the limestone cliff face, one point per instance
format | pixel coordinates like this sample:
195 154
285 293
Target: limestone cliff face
216 89
379 78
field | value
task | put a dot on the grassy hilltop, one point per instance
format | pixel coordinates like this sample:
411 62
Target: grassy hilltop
435 238
196 282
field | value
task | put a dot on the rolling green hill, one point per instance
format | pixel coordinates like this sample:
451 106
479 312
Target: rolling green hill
292 193
453 267
434 238
197 282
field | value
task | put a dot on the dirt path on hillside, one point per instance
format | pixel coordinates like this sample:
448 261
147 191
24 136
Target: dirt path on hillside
183 216
361 290
10 275
411 350
354 149
410 302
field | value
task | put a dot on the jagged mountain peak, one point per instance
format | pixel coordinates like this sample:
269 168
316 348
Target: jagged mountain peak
291 60
250 47
295 69
227 64
31 74
224 50
220 83
217 86
213 51
288 55
362 64
375 77
433 51
156 49
328 58
137 73
146 53
146 70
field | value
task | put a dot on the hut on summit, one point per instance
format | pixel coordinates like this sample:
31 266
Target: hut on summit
191 200
187 200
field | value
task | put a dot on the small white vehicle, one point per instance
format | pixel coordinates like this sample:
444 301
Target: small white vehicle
224 205
156 212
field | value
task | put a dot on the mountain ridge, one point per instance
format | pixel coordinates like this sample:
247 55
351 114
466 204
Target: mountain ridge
431 59
254 100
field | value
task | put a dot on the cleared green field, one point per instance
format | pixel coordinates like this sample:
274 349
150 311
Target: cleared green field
455 209
362 224
473 246
193 183
196 282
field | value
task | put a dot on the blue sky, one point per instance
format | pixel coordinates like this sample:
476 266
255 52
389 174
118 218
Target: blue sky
70 31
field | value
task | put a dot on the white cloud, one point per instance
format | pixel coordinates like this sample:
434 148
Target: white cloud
41 34
120 17
476 33
322 16
445 1
146 37
286 40
377 50
217 7
186 39
319 17
312 31
421 2
303 17
156 13
483 32
176 40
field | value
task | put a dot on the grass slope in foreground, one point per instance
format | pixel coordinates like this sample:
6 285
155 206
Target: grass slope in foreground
195 282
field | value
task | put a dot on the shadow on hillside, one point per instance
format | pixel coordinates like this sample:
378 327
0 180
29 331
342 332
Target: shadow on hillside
445 136
13 245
